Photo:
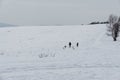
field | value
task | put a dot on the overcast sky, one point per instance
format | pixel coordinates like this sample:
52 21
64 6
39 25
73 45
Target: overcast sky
52 12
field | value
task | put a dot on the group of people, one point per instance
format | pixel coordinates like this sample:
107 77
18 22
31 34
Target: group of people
71 46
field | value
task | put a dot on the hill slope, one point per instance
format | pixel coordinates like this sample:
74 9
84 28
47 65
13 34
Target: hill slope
37 53
5 25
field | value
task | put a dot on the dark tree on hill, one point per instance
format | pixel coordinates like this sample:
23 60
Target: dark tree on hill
113 26
112 20
115 31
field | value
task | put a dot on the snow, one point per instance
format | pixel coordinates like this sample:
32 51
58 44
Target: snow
36 53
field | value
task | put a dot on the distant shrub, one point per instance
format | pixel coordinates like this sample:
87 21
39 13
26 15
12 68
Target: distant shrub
46 53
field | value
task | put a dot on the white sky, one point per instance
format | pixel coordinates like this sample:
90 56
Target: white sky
52 12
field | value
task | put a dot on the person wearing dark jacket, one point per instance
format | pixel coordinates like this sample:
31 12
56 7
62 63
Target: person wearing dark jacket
70 44
77 44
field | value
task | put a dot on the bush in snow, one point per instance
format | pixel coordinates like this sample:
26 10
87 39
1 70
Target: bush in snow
46 53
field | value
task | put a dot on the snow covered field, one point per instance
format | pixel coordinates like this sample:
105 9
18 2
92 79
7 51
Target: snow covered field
36 53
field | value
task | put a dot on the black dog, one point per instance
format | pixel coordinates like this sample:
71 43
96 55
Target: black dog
64 47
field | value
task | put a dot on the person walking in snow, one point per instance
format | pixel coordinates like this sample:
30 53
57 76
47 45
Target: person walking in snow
77 44
70 44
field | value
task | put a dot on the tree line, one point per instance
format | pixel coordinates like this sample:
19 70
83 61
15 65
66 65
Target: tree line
97 22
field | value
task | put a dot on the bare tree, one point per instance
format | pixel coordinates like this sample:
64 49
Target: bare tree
113 26
112 20
119 20
115 31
